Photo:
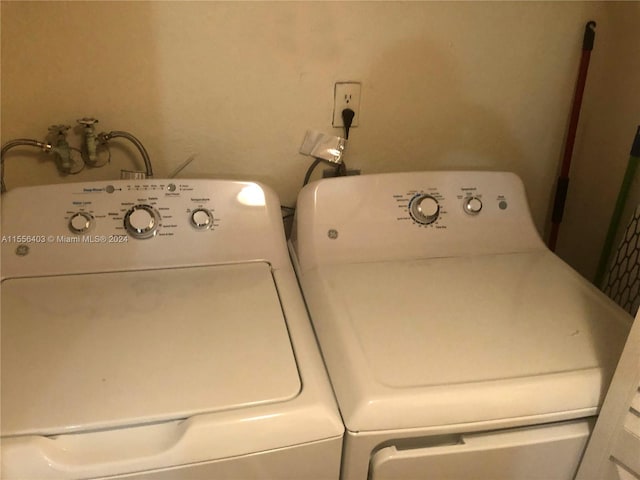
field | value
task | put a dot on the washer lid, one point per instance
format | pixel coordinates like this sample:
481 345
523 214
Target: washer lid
104 350
450 340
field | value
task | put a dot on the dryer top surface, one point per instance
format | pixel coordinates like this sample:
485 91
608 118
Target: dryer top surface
498 324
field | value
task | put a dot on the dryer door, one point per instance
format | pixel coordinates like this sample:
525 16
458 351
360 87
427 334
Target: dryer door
547 452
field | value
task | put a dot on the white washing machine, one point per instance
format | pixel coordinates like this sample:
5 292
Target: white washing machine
458 345
155 329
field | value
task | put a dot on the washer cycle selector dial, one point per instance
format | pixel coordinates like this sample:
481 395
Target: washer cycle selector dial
142 221
80 222
424 209
201 218
472 205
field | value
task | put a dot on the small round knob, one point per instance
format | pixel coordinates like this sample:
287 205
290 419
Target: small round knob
424 209
142 221
80 222
472 205
201 218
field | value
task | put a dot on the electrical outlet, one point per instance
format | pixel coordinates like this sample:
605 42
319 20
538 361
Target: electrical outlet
346 95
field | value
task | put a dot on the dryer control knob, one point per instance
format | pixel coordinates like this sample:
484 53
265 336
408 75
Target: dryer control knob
472 205
201 218
80 222
142 221
424 209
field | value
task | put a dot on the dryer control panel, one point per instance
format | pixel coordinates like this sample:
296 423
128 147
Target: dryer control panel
412 215
153 223
431 206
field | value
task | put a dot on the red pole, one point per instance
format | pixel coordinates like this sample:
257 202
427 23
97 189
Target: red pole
563 181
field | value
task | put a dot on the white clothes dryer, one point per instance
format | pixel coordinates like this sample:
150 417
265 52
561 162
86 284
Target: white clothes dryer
458 345
155 329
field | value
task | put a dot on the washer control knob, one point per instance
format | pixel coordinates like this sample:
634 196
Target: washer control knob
472 205
142 221
424 209
201 218
80 222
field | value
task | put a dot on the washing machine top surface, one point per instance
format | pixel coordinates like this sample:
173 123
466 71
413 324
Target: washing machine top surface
105 350
464 317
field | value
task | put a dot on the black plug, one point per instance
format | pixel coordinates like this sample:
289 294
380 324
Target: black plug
347 119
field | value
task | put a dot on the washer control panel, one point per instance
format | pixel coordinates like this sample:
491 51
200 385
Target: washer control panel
138 224
140 211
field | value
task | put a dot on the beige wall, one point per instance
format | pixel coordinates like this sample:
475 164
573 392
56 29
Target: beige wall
444 85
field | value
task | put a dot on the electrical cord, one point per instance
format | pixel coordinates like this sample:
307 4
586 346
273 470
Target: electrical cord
310 171
341 169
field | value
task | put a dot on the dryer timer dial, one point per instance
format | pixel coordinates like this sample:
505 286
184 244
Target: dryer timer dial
424 209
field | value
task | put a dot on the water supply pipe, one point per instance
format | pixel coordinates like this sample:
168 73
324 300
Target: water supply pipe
19 142
105 137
